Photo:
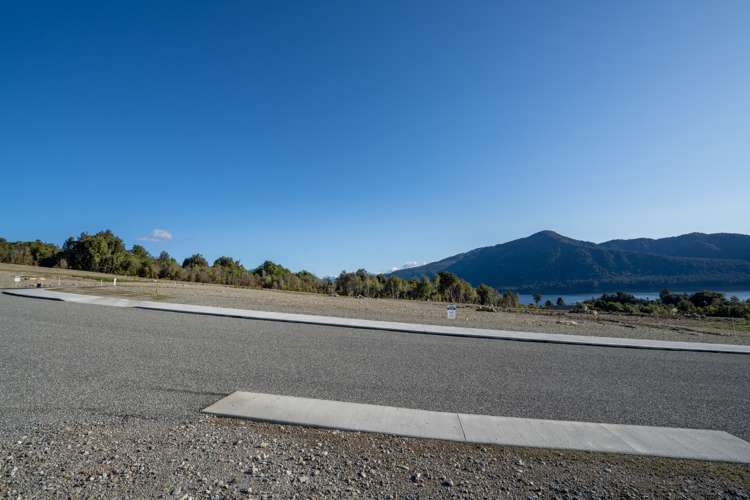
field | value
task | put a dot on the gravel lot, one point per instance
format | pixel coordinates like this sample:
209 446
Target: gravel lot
605 325
209 457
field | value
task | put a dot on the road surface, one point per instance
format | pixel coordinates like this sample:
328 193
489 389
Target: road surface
62 361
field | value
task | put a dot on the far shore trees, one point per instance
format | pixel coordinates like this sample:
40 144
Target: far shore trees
705 303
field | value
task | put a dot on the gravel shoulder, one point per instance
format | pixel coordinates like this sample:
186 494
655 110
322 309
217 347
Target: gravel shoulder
604 325
209 457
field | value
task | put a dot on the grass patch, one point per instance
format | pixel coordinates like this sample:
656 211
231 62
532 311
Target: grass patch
737 325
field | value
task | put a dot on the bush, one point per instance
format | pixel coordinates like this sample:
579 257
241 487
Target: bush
706 303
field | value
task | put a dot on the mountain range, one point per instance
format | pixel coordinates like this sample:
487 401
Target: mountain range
549 262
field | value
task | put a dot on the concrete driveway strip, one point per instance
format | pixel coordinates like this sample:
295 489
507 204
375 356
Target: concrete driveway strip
385 325
339 415
584 436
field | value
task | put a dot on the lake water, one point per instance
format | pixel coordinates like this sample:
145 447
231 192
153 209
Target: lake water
580 297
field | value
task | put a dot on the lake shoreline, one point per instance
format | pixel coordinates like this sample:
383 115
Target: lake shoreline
573 298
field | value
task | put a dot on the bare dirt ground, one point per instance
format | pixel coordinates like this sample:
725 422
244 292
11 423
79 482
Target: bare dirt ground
211 457
408 311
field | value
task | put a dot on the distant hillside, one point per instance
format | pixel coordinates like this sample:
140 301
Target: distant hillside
700 245
547 261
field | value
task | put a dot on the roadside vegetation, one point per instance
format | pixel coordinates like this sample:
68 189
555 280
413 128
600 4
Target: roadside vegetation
105 252
705 303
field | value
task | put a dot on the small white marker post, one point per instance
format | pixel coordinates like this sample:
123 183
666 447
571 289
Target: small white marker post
451 311
16 280
114 282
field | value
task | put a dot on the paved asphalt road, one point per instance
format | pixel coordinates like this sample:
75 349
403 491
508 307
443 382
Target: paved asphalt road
62 361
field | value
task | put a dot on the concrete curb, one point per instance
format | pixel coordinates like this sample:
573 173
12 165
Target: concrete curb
486 429
452 331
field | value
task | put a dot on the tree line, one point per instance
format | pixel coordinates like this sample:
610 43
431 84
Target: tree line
442 287
106 253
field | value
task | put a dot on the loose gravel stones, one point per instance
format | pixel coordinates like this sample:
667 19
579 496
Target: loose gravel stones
210 457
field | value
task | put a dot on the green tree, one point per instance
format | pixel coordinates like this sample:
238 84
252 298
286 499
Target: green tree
449 287
706 299
273 275
102 252
140 252
423 289
394 286
168 267
43 254
487 295
195 261
228 271
511 299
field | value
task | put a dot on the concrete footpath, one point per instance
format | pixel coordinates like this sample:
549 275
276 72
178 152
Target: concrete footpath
584 436
383 325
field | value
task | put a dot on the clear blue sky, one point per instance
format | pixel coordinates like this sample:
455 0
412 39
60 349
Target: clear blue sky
337 135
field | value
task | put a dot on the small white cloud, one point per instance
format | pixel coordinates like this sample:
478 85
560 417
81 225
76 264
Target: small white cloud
157 235
412 263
